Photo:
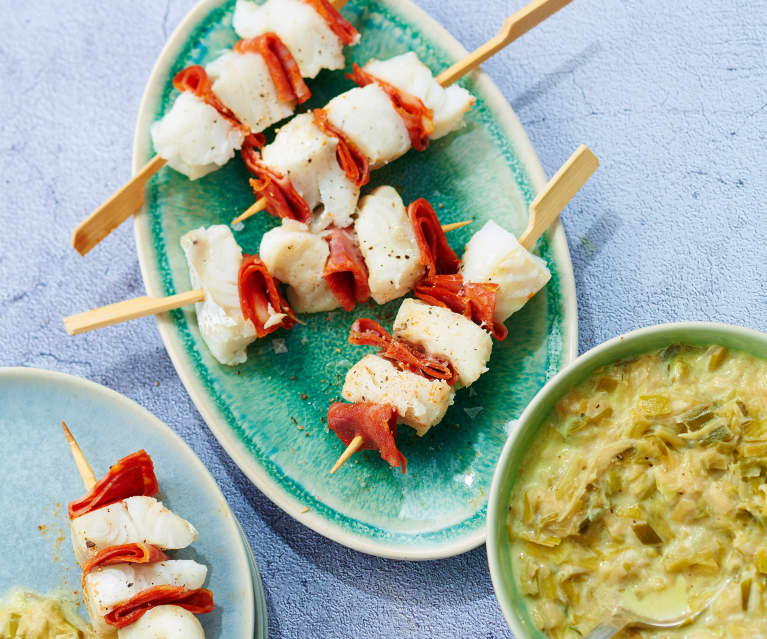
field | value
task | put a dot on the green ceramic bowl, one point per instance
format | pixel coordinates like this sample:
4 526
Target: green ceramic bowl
269 413
526 429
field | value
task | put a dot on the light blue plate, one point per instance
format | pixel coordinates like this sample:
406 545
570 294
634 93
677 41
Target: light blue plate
525 431
39 478
487 170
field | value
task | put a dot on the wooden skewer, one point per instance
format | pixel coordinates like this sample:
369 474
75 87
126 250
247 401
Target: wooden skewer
559 190
83 467
455 225
117 209
544 210
259 205
128 310
353 447
145 305
516 25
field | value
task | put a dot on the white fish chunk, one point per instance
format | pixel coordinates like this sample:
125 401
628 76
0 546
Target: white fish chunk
495 255
214 260
440 331
297 257
164 622
409 74
111 586
132 520
420 402
307 156
367 117
310 40
242 82
194 138
388 245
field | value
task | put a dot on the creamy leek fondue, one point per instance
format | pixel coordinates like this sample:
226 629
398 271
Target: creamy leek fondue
647 489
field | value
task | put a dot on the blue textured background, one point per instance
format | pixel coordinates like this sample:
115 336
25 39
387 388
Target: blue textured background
670 96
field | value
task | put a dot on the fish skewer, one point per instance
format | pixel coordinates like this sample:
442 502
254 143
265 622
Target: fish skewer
385 74
381 255
242 97
134 590
411 320
138 307
92 534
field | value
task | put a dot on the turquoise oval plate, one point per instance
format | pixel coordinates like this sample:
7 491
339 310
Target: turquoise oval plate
40 478
269 413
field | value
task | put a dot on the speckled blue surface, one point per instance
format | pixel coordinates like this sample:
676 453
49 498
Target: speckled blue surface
671 97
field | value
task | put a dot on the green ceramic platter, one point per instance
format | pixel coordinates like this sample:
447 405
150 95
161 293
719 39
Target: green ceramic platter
526 429
487 170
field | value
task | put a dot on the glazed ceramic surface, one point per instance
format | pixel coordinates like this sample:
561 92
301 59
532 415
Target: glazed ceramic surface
269 414
526 429
40 478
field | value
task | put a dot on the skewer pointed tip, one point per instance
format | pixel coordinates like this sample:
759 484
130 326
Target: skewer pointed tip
258 205
68 433
455 225
353 447
83 467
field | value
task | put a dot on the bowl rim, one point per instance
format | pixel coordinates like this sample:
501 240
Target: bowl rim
559 385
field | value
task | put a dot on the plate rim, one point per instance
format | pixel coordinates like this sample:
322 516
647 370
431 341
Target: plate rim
236 450
258 612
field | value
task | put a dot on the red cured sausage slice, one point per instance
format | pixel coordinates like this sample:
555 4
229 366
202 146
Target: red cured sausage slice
125 553
473 300
258 291
129 477
403 355
282 199
346 33
375 423
345 271
195 80
197 601
436 254
283 68
354 163
417 118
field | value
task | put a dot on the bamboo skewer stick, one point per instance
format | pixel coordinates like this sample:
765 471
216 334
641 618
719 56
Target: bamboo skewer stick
124 202
515 26
544 211
455 225
128 310
352 448
118 208
559 190
83 467
257 206
145 305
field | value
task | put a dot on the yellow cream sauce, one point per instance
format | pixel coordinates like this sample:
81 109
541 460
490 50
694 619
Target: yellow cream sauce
647 489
